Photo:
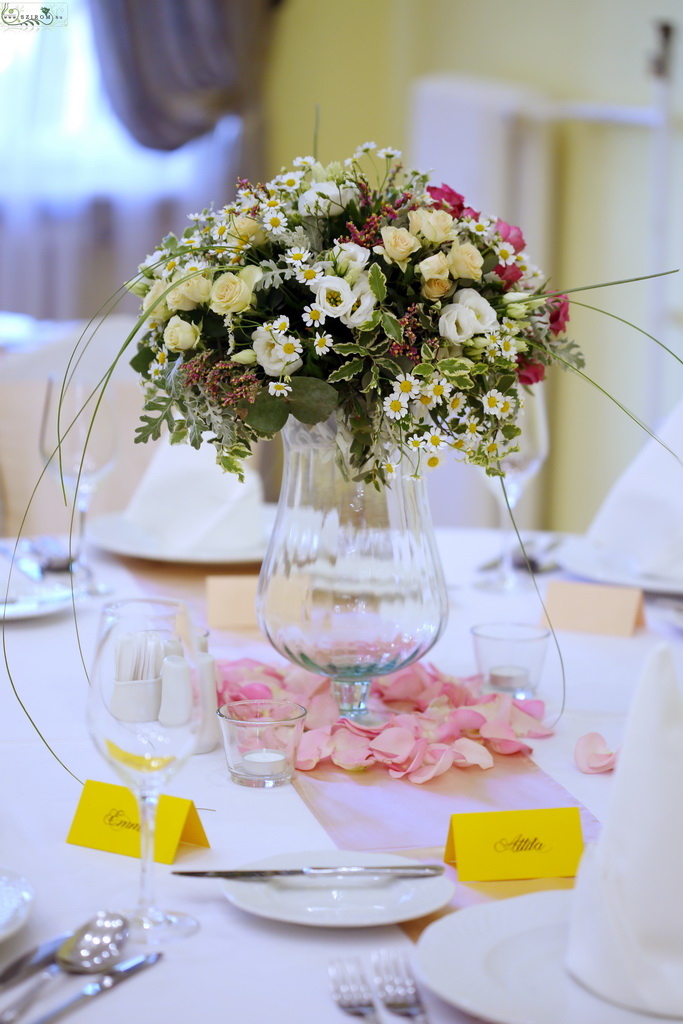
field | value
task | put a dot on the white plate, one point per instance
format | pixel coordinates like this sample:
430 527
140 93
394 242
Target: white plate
338 903
36 605
112 532
504 962
16 897
581 557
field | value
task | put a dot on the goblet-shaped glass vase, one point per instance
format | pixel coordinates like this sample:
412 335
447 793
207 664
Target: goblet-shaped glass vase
351 586
145 712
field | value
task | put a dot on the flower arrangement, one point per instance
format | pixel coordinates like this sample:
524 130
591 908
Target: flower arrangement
369 292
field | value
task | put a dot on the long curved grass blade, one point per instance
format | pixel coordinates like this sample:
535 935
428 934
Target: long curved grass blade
605 312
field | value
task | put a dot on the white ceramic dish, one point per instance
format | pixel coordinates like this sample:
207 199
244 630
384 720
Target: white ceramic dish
36 605
503 962
16 899
113 533
337 903
580 557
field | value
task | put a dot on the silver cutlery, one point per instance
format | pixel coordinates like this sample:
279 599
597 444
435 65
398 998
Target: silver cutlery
31 962
128 969
396 986
350 990
347 871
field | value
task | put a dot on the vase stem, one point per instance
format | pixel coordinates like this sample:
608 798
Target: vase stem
352 697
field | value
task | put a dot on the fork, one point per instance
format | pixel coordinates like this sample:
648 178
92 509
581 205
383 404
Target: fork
396 986
351 991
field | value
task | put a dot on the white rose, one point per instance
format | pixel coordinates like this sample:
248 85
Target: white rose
364 302
434 225
270 356
326 199
467 315
465 261
398 245
188 294
434 266
180 335
248 230
437 288
161 312
232 293
333 295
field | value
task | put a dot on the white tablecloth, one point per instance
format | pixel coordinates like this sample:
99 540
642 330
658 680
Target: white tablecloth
240 968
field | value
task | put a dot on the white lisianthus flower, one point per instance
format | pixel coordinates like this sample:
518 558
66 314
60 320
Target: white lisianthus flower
246 357
333 295
180 335
467 315
350 260
161 312
269 354
232 293
326 199
364 301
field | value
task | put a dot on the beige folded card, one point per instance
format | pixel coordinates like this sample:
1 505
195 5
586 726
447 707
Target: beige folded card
231 603
594 608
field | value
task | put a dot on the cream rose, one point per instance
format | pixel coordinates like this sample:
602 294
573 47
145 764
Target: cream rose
398 245
434 225
270 356
161 312
465 261
232 293
189 294
248 230
180 335
437 288
434 266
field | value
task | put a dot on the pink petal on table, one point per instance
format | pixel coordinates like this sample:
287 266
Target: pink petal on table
535 708
315 745
415 759
501 737
592 754
322 711
350 751
393 745
301 681
468 752
405 685
366 731
438 760
257 691
526 724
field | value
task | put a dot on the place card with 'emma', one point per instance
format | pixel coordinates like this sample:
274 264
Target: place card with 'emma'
107 819
499 845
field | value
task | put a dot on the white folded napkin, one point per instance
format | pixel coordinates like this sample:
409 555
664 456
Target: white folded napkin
642 515
189 507
626 933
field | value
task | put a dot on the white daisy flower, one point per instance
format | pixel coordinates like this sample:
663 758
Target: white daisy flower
507 347
388 153
481 227
277 388
433 461
367 147
322 343
280 326
492 450
493 402
297 255
389 468
439 388
307 275
415 442
472 429
507 407
289 347
313 315
435 440
395 407
505 253
275 222
456 404
510 325
407 384
290 180
304 161
425 400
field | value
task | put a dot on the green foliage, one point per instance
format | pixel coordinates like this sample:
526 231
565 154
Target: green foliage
268 414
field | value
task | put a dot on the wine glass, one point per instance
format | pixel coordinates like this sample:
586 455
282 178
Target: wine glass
78 444
145 712
519 468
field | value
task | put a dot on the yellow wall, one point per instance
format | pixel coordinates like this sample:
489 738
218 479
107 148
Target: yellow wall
357 58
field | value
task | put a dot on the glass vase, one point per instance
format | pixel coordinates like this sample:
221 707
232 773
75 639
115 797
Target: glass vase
351 586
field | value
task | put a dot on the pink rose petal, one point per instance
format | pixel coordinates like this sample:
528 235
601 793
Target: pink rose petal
438 759
468 752
592 754
393 745
315 745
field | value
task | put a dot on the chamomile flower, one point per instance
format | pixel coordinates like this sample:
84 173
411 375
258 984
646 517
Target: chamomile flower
493 402
313 315
290 180
389 468
510 325
506 407
439 388
481 227
407 384
277 388
297 255
426 400
507 347
289 347
388 153
505 253
307 275
273 202
395 407
322 343
367 147
456 404
275 222
492 350
435 440
492 450
472 429
433 461
279 326
415 442
304 161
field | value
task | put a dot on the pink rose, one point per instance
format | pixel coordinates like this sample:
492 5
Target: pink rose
559 313
446 197
529 371
510 274
510 233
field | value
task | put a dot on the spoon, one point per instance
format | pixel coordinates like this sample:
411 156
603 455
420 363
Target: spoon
93 949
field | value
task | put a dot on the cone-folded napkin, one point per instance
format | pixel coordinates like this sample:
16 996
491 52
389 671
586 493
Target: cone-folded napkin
626 933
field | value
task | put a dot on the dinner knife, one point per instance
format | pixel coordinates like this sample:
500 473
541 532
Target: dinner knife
347 871
104 983
30 963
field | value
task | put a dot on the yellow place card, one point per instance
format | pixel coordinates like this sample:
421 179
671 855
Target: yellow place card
594 608
231 603
107 819
493 846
